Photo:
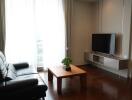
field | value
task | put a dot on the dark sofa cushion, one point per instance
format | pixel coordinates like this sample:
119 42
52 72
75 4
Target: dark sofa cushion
14 85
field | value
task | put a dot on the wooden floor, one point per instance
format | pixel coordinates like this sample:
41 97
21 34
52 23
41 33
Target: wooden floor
101 85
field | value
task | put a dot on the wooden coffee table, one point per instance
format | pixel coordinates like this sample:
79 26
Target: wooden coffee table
59 72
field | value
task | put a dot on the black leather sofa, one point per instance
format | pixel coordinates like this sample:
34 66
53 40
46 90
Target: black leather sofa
20 82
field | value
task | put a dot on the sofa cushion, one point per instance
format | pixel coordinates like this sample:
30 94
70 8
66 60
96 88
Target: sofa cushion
26 71
33 76
19 84
30 76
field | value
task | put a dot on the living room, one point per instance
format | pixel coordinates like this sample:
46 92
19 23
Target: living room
96 16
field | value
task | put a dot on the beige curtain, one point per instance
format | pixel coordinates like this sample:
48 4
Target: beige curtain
2 25
68 15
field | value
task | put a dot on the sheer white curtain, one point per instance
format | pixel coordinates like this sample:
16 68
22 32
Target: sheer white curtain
51 28
35 32
20 31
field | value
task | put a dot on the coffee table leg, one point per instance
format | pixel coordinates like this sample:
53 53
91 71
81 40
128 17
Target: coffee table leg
50 76
59 85
83 80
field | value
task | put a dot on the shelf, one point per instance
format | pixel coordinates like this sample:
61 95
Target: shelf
98 59
108 61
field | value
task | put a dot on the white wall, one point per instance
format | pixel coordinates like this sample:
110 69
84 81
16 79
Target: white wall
112 15
115 17
82 26
102 16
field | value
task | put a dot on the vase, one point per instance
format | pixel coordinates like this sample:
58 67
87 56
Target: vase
67 68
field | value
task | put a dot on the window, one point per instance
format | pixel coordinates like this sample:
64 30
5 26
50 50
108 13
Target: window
35 32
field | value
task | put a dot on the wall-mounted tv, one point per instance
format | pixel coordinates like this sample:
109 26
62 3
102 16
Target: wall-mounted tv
103 42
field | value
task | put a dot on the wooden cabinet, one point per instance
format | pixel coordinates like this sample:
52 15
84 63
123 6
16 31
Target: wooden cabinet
108 61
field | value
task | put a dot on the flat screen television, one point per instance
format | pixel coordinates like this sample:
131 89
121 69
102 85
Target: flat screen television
103 42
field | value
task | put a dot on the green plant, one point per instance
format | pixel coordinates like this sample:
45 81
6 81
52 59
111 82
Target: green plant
67 61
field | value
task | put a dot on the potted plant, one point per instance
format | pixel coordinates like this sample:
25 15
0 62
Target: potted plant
67 61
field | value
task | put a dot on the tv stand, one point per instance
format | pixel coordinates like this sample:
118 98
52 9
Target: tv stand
108 61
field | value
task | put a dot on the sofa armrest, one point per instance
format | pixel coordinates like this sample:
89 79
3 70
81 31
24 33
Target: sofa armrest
20 84
21 65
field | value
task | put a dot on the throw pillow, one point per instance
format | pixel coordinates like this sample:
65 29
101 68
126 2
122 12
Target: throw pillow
2 57
11 72
3 69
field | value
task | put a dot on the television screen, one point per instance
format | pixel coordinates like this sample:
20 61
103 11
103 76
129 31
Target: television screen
104 43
